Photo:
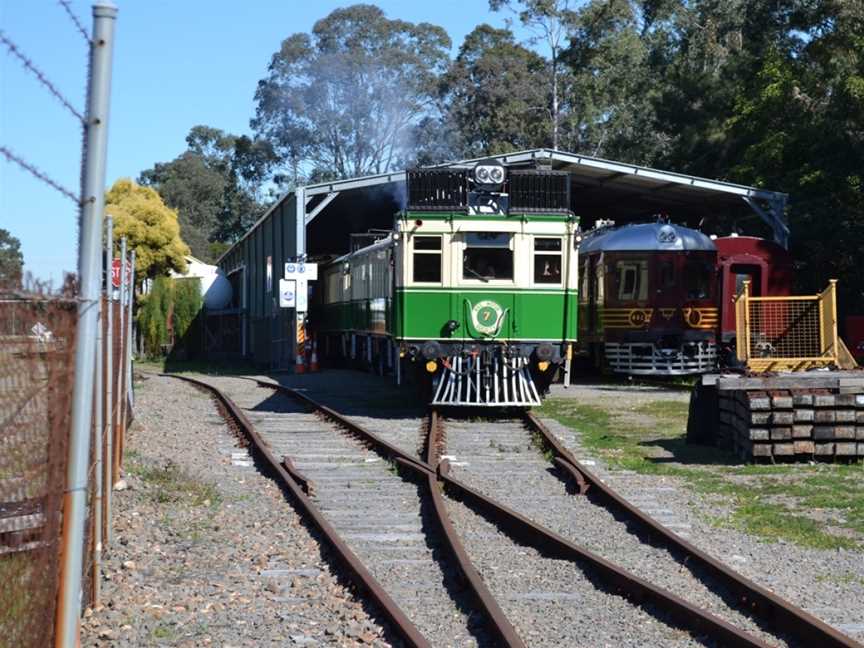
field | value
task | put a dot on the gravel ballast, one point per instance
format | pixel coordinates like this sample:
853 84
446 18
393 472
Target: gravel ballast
206 550
195 575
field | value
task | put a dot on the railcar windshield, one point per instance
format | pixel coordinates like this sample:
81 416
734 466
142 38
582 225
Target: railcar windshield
488 255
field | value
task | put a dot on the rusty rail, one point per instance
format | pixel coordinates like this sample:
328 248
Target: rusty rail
361 576
505 632
684 614
781 615
498 624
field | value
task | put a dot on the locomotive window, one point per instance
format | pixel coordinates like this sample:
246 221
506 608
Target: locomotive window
547 260
427 259
487 256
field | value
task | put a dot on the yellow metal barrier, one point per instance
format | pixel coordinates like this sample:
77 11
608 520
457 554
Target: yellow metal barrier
788 333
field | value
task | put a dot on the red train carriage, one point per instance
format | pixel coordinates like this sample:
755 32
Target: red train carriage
648 299
767 265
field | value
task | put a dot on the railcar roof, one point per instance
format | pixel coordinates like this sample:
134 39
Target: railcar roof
646 237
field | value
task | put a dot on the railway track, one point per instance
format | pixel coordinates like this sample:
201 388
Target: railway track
436 595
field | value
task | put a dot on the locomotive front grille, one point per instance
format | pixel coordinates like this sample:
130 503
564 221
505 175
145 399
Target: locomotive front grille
647 358
500 382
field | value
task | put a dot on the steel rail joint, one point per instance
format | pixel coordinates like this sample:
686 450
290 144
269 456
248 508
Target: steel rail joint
783 615
401 623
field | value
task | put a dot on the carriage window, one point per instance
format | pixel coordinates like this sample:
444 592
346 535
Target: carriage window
547 260
667 274
632 280
427 259
698 278
487 256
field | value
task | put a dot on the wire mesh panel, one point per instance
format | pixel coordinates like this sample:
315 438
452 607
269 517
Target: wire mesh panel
36 366
787 333
785 329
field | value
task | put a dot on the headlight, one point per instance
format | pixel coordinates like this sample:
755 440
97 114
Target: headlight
489 176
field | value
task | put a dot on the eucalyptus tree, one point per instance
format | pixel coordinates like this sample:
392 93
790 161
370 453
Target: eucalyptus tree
215 186
548 21
345 100
490 95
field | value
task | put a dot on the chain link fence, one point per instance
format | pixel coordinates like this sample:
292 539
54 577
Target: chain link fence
37 344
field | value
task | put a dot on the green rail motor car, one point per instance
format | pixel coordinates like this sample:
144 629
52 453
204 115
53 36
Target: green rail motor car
473 289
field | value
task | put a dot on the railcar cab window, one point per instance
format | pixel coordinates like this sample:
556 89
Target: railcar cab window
632 280
488 256
547 260
427 259
697 277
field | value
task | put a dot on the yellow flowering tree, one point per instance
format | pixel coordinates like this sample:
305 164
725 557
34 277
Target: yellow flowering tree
150 227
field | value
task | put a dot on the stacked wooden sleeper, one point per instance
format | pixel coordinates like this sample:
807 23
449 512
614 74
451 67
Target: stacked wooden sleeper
792 424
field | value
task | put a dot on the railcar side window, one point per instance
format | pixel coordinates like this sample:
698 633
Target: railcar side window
547 260
632 280
667 274
427 259
698 278
487 256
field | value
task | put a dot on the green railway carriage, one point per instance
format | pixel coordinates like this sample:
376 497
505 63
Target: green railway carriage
474 287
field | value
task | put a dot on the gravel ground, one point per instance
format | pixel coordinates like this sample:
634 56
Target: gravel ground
551 602
385 520
210 552
485 454
827 583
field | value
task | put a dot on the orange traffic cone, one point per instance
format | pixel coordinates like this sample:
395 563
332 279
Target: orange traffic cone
313 360
300 366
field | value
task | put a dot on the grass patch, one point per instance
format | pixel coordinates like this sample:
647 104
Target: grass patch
170 484
795 503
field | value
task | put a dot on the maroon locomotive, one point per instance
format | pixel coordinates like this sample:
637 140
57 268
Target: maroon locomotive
658 298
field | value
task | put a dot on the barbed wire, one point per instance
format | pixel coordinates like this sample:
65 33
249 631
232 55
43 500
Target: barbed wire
74 19
32 170
30 67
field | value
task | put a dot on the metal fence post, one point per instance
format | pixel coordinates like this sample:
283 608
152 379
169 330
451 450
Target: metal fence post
127 356
93 205
97 452
109 384
118 392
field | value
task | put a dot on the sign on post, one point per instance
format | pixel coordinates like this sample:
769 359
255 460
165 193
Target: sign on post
287 293
307 271
115 272
300 274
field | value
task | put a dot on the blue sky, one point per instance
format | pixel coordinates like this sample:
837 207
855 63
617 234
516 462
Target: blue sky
176 64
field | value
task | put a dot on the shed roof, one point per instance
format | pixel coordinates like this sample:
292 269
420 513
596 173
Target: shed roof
600 189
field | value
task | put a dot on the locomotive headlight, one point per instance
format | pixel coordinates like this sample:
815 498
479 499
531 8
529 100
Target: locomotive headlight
489 176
